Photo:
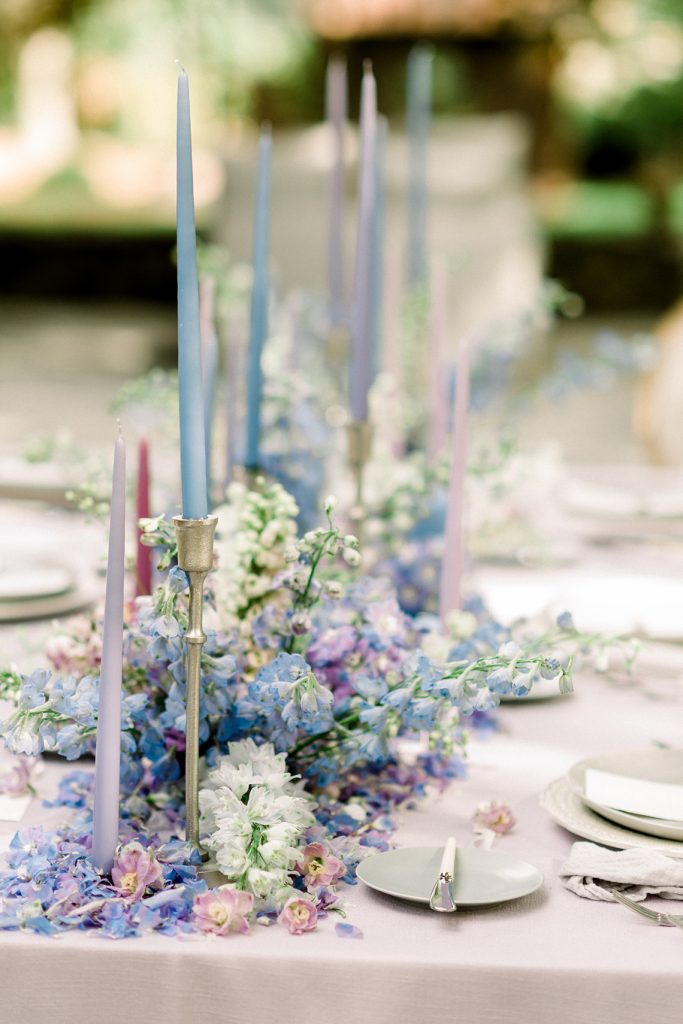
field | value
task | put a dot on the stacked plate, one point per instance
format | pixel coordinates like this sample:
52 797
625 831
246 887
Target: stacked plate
32 590
624 800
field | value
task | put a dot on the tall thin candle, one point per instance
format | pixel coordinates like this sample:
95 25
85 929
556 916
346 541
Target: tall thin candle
361 318
418 103
450 592
232 372
209 343
335 102
259 304
143 560
108 748
438 385
377 255
192 444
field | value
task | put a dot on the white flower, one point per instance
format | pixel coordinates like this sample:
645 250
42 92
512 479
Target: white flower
351 556
254 843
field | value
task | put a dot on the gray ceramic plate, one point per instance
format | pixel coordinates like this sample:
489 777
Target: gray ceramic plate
566 808
482 877
654 765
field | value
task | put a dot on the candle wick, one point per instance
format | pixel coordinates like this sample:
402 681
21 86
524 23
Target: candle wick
180 65
266 129
367 66
118 424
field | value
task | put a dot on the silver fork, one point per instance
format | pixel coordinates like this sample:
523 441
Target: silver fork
657 917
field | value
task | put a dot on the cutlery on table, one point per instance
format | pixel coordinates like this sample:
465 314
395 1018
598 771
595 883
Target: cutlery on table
665 920
441 899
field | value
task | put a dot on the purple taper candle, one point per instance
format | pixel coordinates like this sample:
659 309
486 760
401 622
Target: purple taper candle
108 749
361 317
336 118
438 390
450 591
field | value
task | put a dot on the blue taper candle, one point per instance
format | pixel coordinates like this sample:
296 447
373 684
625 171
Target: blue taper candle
361 316
192 444
419 108
258 327
209 347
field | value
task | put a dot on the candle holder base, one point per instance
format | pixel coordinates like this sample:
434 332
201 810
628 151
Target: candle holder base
195 557
337 342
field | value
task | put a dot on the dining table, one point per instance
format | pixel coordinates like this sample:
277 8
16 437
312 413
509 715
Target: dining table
550 956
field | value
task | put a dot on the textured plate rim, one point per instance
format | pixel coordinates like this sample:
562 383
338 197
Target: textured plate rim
608 833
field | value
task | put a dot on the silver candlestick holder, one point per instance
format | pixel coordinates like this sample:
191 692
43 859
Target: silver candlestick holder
195 557
359 433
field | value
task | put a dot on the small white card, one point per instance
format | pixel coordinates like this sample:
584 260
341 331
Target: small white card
13 808
636 796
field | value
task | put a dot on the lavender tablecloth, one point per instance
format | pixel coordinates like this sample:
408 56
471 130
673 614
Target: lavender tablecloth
549 957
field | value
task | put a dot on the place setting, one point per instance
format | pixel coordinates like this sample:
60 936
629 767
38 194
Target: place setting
629 800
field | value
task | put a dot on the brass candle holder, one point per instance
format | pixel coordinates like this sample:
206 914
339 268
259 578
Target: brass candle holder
195 557
337 342
359 433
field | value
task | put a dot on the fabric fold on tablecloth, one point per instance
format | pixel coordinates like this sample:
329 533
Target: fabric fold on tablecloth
591 871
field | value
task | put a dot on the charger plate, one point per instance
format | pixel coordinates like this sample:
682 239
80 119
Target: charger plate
654 765
566 808
482 877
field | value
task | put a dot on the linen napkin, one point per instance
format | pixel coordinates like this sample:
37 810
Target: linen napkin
591 871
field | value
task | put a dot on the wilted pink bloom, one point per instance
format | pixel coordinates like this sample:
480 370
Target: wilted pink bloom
320 868
17 780
135 870
298 915
223 910
496 816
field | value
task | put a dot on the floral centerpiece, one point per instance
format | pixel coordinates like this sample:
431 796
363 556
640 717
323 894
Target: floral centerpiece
311 675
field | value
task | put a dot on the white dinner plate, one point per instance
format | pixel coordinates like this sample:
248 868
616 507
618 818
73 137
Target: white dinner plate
53 607
482 877
616 602
32 581
654 765
568 809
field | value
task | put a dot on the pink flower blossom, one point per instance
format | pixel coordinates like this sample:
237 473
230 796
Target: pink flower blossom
136 870
496 816
223 910
17 780
77 651
319 868
298 915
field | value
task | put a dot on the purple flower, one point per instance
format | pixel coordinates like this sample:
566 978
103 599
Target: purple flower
298 915
319 868
17 780
496 816
136 870
224 910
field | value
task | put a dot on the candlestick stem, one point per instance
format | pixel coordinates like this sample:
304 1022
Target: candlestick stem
195 557
359 450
